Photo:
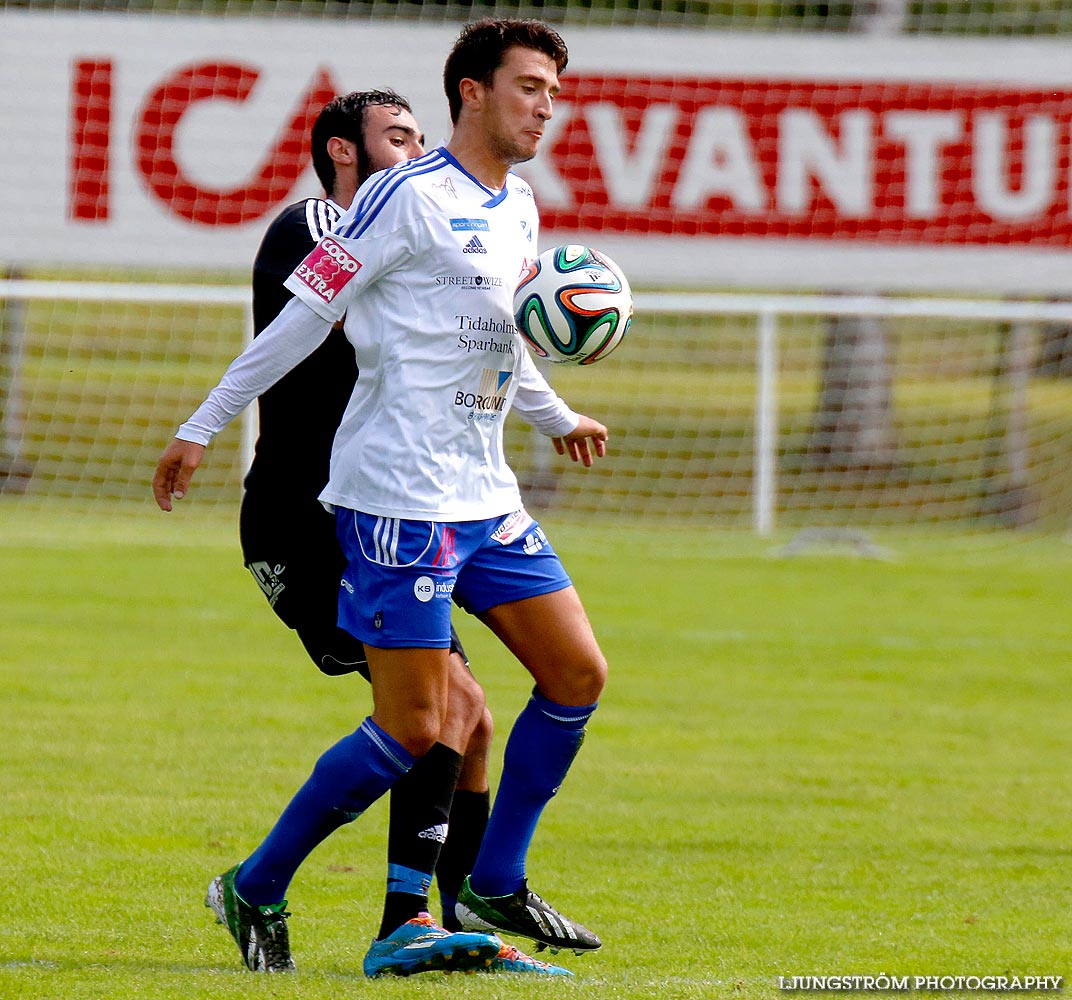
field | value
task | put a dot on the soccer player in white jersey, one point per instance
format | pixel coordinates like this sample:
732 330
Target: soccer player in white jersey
423 266
290 547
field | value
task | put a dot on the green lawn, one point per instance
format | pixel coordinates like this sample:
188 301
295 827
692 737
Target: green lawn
816 765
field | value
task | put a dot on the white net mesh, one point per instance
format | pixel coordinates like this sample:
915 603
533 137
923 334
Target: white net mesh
870 421
874 421
95 385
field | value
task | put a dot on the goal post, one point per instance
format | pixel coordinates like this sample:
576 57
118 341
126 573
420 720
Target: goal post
720 408
1005 491
107 372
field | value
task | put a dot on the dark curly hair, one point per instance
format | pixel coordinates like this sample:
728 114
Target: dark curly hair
344 118
480 48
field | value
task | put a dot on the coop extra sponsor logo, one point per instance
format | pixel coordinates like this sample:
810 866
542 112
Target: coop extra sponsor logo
327 269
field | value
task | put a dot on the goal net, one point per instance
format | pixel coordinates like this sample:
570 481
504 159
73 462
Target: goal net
95 377
757 412
795 412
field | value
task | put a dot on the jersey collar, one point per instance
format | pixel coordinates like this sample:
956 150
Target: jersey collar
496 197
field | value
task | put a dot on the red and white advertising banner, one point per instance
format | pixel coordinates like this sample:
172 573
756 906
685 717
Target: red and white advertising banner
694 159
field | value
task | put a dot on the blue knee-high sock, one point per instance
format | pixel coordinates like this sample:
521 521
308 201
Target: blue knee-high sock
346 780
541 747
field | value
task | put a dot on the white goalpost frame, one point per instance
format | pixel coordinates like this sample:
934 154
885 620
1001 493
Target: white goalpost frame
767 308
143 292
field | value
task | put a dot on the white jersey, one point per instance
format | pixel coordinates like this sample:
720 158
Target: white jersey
424 267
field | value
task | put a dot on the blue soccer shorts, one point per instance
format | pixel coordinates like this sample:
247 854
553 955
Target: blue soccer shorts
402 575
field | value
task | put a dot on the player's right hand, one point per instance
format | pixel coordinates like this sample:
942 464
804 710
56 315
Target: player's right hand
586 442
175 470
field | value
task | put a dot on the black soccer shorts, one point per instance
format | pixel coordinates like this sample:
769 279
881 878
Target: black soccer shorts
293 553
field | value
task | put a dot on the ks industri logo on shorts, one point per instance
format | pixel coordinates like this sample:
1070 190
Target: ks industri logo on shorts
327 269
425 589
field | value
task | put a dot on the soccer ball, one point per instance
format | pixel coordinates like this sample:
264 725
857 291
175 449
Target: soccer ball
573 305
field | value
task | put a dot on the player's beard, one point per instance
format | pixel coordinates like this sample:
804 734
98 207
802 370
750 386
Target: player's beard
510 151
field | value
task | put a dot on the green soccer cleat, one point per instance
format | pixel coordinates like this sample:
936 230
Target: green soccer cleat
259 931
523 913
421 945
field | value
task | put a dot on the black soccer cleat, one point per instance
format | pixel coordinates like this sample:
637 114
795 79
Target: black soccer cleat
525 914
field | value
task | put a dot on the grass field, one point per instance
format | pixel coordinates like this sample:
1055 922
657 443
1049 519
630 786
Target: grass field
818 765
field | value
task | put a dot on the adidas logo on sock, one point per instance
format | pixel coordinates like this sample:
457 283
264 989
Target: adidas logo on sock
437 833
474 246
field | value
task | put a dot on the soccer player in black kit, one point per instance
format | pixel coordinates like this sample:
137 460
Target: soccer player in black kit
290 546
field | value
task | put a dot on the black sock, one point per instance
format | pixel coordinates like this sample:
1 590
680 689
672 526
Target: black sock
420 810
468 820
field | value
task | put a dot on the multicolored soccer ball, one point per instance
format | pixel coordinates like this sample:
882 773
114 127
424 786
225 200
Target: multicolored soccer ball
573 305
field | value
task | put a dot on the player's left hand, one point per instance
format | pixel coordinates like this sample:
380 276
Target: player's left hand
586 442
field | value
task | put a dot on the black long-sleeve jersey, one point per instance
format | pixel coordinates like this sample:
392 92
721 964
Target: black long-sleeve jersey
288 538
301 412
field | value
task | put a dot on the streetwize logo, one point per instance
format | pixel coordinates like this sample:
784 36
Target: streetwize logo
327 269
482 282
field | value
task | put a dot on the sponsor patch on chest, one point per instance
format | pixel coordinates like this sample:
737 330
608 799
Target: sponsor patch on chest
469 225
